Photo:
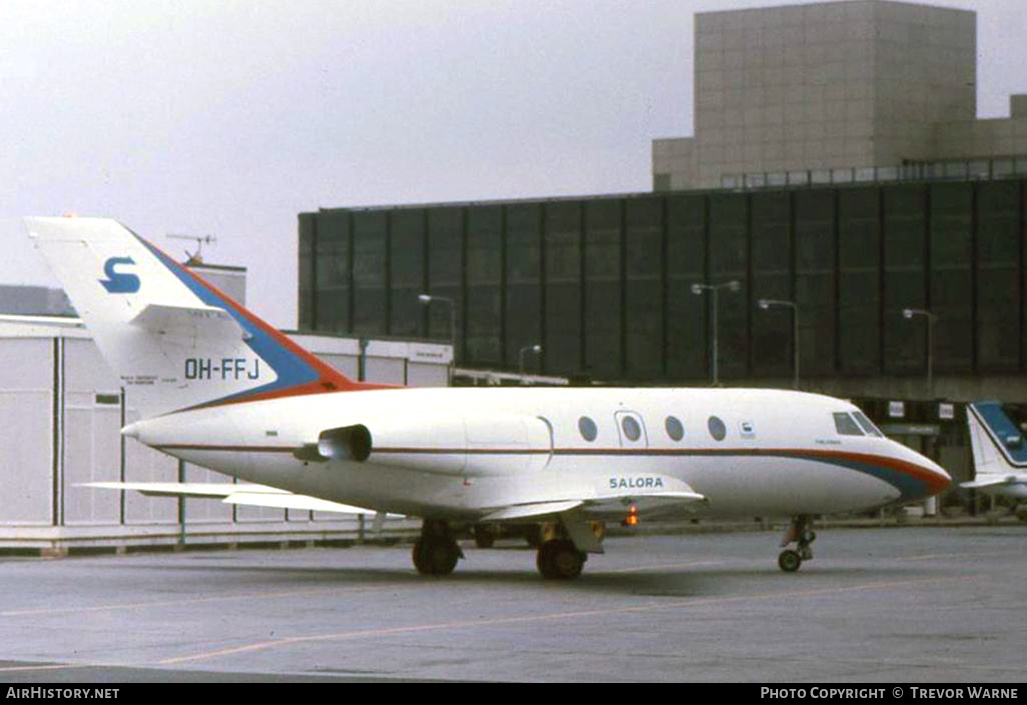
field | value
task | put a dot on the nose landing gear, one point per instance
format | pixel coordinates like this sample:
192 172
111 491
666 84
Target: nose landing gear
801 532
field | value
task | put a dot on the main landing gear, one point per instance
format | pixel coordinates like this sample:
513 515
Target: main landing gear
563 547
436 551
560 559
801 532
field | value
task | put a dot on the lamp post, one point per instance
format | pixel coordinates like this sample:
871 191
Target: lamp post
909 314
427 299
767 303
536 349
714 289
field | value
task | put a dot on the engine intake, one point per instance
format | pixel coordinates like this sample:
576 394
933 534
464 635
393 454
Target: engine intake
345 443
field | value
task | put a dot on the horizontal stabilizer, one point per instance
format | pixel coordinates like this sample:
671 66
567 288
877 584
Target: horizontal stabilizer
189 322
240 494
993 481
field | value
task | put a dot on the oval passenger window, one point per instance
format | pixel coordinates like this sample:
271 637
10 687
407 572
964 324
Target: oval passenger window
674 428
588 429
717 428
632 431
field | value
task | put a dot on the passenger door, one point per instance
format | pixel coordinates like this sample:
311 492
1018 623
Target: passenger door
631 430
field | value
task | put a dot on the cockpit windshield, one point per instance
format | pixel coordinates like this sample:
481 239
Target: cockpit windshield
867 425
855 424
845 426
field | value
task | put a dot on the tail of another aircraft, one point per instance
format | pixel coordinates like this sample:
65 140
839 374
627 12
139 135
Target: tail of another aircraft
174 340
1000 453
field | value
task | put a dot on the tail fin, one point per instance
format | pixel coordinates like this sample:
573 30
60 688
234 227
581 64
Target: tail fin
997 442
174 340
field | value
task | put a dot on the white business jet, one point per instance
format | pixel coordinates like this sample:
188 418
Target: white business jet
218 387
1000 454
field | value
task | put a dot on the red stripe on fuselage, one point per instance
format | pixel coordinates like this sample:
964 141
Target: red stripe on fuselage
935 482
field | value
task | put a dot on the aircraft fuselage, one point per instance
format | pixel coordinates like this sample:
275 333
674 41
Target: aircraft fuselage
457 453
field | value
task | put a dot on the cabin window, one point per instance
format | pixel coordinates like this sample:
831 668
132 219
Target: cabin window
632 431
588 429
717 428
845 425
675 430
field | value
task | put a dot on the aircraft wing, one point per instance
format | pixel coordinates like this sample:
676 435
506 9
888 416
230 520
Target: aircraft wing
241 494
658 493
650 495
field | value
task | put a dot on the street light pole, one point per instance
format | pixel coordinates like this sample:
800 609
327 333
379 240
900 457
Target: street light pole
909 313
767 303
425 300
714 289
520 357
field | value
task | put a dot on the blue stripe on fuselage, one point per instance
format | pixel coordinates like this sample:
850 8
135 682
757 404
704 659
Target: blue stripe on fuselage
291 370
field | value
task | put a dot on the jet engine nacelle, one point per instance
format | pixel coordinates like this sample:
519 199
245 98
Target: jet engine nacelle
443 443
345 443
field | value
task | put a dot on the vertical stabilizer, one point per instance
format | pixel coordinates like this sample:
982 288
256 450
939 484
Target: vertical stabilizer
998 444
175 341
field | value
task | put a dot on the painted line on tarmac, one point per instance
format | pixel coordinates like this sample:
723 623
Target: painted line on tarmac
499 621
659 566
53 667
964 555
191 600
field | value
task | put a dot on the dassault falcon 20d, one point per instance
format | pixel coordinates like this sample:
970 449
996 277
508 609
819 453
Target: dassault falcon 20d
218 387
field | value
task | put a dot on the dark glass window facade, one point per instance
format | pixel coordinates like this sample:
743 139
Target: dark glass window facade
644 302
484 286
815 274
407 273
562 288
772 278
685 320
370 286
522 305
859 281
603 289
604 284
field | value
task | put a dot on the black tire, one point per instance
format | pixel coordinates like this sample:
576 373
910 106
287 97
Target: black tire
434 556
560 560
789 561
483 538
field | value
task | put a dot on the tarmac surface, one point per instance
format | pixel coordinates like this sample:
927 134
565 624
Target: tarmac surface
912 604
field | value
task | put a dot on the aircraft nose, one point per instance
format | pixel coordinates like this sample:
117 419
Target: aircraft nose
935 477
928 478
942 477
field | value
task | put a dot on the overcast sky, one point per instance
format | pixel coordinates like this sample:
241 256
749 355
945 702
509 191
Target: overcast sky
229 118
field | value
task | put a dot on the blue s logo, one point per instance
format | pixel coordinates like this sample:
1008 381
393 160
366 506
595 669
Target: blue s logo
119 282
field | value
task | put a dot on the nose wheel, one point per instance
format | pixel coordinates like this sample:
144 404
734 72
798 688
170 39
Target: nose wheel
801 533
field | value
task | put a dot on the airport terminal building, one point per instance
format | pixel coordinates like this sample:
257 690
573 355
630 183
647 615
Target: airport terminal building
837 169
